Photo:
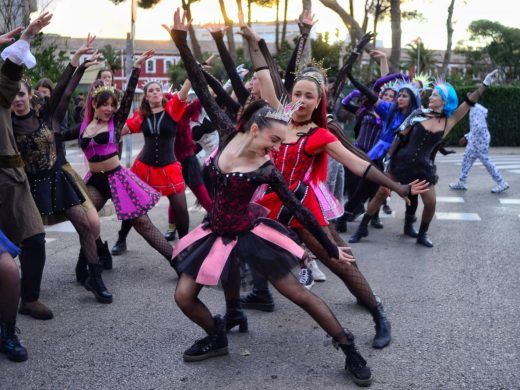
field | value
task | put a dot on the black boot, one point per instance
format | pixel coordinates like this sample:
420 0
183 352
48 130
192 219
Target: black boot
235 316
409 229
362 230
352 215
103 253
120 245
355 364
9 343
258 300
383 329
376 222
341 224
422 237
96 285
214 344
81 268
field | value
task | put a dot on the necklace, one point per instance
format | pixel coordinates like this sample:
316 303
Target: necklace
302 123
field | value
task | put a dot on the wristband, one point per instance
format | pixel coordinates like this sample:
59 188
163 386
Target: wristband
261 68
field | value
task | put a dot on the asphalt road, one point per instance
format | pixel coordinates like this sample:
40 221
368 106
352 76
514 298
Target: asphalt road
454 309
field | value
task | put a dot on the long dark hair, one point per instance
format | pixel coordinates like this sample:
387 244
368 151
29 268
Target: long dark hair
145 108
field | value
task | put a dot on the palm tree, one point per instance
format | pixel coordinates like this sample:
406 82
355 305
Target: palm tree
420 56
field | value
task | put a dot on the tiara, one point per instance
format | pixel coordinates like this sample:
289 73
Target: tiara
102 88
284 112
425 81
401 84
393 85
318 75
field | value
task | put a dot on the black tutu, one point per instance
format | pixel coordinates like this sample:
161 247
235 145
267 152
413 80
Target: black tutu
250 251
54 191
405 171
191 171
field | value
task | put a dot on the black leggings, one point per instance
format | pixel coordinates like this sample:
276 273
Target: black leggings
32 261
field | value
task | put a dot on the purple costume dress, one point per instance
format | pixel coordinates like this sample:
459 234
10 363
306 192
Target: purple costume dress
131 196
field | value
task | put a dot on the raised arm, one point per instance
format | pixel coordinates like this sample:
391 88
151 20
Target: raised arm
279 87
218 117
222 97
241 92
470 101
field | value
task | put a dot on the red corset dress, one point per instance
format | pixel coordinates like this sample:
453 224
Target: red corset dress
306 173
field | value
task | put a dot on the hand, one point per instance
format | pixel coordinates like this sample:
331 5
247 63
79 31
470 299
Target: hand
463 141
143 57
36 26
210 59
9 37
215 28
93 59
490 78
418 187
377 54
246 31
125 130
83 49
180 22
306 22
345 255
363 42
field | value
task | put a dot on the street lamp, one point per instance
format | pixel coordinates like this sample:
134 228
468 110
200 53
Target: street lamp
418 42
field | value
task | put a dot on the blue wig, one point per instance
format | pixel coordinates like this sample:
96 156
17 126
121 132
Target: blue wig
449 97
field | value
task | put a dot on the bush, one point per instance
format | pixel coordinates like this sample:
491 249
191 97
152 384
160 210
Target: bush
503 104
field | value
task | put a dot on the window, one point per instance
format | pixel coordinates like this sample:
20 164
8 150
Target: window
167 64
150 66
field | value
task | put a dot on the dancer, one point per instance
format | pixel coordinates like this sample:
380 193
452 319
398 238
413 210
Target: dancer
478 140
411 151
157 163
234 225
107 179
9 299
19 216
302 159
57 191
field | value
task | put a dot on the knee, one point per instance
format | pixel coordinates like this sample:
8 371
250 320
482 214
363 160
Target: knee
183 300
8 267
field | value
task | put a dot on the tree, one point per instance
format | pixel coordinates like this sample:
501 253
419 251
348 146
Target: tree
229 32
427 57
447 53
284 26
395 21
112 57
327 52
500 43
307 50
197 52
50 61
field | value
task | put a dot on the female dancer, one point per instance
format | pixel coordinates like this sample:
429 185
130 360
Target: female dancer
9 298
417 137
107 179
157 163
393 114
234 232
478 140
55 190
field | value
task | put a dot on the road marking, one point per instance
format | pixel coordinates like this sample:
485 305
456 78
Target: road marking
49 240
457 216
515 171
63 227
450 199
509 201
385 215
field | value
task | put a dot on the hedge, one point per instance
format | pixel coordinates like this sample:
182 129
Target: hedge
503 104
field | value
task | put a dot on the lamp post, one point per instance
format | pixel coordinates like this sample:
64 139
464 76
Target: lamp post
130 38
418 41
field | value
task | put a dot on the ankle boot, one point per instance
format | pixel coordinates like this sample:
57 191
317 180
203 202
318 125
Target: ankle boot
409 229
236 317
9 343
120 245
354 363
214 344
362 230
422 237
81 268
376 222
103 253
382 325
258 300
95 284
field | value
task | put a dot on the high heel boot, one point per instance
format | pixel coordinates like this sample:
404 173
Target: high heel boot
214 344
362 230
104 254
81 268
383 328
95 284
120 245
409 229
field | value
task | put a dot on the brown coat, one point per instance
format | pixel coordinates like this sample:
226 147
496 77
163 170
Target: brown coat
19 216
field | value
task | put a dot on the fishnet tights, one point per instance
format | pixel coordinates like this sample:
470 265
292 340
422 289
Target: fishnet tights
9 288
79 219
142 225
348 273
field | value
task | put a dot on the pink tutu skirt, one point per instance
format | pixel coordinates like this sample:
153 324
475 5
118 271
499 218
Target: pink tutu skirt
131 196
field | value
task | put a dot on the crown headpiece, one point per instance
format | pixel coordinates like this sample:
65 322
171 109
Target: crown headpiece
284 112
318 74
401 84
102 88
425 81
393 85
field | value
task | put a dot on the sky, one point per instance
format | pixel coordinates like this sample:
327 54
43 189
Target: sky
101 17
